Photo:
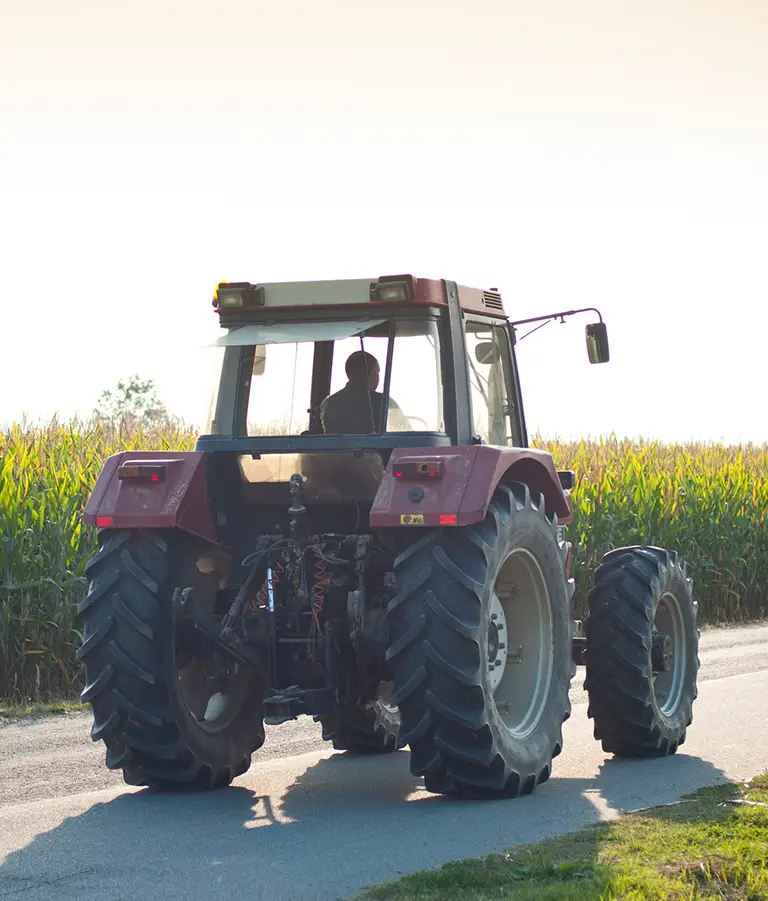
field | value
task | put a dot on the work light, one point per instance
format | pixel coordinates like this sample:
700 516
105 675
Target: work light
238 294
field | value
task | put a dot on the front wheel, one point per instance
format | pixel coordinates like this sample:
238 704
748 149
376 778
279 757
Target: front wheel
362 728
170 714
641 653
480 649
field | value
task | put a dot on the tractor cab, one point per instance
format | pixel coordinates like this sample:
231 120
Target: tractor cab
325 379
287 348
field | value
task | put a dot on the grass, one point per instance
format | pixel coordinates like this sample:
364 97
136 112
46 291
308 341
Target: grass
709 502
712 845
42 708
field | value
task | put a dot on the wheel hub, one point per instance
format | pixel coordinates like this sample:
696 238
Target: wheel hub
669 654
519 674
497 642
662 652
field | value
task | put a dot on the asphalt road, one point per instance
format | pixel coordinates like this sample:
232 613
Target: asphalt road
308 823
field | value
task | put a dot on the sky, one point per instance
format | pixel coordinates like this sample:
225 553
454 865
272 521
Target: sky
609 154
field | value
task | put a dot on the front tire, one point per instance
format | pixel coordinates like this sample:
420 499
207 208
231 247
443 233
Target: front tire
480 632
363 728
154 705
639 708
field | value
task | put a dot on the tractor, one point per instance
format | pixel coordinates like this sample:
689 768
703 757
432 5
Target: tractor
364 536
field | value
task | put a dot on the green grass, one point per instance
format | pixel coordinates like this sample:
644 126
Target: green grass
710 846
709 502
42 708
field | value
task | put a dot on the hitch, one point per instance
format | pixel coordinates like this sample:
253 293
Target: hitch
294 702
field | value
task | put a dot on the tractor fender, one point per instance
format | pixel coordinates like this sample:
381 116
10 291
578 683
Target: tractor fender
462 491
152 490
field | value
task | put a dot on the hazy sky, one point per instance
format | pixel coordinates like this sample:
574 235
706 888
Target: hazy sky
595 153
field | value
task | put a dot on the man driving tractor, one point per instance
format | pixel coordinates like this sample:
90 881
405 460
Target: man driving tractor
357 408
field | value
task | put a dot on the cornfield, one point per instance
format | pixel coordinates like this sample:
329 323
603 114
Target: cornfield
709 502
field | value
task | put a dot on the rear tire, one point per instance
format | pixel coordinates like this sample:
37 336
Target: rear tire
362 728
148 699
635 713
470 728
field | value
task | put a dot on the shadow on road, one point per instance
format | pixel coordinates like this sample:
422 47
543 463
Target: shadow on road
342 824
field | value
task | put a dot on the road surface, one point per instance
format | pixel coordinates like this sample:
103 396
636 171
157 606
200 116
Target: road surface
308 823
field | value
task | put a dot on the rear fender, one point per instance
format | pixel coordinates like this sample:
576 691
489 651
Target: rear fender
176 499
469 478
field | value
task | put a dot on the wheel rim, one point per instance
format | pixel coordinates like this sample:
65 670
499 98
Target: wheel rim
520 644
212 698
668 684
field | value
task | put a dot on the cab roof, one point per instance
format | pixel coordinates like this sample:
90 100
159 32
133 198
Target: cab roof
403 291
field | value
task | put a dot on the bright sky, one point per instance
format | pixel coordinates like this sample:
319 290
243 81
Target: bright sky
595 153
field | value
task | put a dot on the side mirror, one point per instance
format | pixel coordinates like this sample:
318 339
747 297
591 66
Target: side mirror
259 359
487 352
597 343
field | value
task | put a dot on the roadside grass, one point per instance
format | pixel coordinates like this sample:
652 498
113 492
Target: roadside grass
41 708
713 844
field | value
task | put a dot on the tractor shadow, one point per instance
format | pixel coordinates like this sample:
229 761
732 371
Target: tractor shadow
345 822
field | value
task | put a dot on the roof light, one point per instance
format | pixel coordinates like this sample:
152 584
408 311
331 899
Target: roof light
231 295
394 291
389 289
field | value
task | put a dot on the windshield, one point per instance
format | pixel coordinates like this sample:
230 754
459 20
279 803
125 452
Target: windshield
319 379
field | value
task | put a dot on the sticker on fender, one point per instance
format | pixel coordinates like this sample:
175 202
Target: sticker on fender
412 519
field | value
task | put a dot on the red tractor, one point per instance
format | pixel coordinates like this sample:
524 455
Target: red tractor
391 562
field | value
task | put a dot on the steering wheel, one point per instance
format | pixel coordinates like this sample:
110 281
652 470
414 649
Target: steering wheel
412 419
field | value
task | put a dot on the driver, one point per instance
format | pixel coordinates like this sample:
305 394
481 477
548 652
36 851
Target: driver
357 408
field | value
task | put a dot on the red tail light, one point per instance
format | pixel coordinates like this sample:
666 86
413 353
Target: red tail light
419 470
141 472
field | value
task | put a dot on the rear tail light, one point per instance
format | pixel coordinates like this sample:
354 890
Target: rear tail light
141 472
419 470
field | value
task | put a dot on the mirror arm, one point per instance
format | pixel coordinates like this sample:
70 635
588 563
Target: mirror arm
560 316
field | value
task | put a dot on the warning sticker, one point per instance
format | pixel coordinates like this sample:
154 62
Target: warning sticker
412 519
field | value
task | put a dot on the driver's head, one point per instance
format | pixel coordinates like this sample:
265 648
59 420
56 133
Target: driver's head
362 367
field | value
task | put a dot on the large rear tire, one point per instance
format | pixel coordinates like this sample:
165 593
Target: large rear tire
150 695
480 649
641 708
363 728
